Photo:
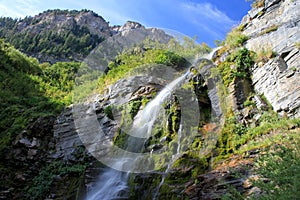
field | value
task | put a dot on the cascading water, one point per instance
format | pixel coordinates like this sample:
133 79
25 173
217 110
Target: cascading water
112 184
143 123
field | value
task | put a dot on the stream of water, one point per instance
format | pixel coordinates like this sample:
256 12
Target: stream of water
112 184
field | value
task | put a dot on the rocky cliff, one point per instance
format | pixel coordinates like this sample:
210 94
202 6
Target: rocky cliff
54 160
275 27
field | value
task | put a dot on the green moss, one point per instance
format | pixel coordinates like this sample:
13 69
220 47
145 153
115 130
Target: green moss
166 192
197 164
134 107
120 139
143 186
197 143
108 112
249 103
231 130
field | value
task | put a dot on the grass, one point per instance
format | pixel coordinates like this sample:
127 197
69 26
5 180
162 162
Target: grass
235 38
278 163
263 55
258 4
270 29
127 62
297 45
238 138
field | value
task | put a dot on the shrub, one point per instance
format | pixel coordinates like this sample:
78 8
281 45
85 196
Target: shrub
272 28
237 64
281 167
264 55
128 61
235 38
42 183
108 112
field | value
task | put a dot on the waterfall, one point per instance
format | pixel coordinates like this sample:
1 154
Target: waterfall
212 53
112 184
143 123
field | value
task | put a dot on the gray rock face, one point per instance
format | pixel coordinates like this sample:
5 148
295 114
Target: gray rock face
66 136
213 90
136 32
52 20
278 81
274 26
239 90
69 133
96 24
127 26
122 91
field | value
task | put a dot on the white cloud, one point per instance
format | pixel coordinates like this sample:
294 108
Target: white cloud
6 11
208 18
207 11
18 8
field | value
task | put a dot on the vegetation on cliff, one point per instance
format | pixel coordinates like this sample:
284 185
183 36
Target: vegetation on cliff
33 36
30 90
249 127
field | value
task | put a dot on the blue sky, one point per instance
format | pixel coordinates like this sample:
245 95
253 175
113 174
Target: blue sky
208 20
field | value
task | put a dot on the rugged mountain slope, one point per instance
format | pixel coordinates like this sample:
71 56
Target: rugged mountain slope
60 35
56 35
31 97
44 156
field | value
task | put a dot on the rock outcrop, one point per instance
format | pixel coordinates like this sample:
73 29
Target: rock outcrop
58 20
278 81
275 27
